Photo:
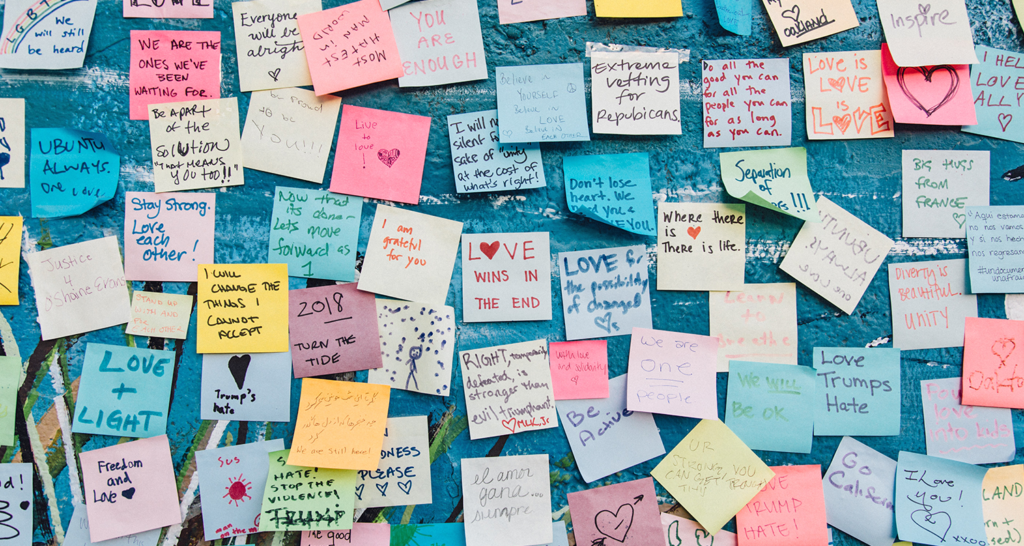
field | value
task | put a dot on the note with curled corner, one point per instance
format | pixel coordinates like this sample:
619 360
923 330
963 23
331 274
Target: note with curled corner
927 33
735 15
939 501
774 179
71 172
929 95
613 189
46 34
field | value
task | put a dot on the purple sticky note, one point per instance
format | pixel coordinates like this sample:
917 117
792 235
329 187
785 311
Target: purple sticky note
333 329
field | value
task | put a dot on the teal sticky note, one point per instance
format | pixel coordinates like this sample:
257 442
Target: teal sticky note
857 391
995 236
315 232
938 501
771 406
542 103
124 391
10 379
996 104
734 15
71 172
614 189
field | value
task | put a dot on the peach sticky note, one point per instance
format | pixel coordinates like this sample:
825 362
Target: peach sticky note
1002 504
380 154
349 46
359 410
631 8
172 66
993 363
929 95
10 258
789 511
242 308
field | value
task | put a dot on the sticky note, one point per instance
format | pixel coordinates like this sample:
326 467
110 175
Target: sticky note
156 9
290 132
333 329
57 40
734 16
71 172
993 367
846 96
130 488
417 346
857 391
167 236
685 532
327 505
995 103
10 381
855 251
937 33
929 95
506 277
672 373
481 163
993 244
184 160
646 102
242 308
579 369
649 8
361 534
774 179
341 57
929 304
614 189
16 498
541 103
79 287
403 476
597 429
860 493
701 246
938 500
1002 504
757 323
124 391
521 11
441 534
411 259
270 50
626 513
77 533
771 406
362 409
234 478
508 389
525 517
789 510
439 41
12 142
798 23
969 434
315 233
938 186
746 103
10 258
169 66
246 387
621 299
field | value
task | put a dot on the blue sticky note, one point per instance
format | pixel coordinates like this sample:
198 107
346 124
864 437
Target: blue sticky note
995 236
561 536
614 189
232 480
71 172
999 112
598 428
434 534
938 501
542 103
246 387
734 15
771 406
124 391
605 292
857 391
315 232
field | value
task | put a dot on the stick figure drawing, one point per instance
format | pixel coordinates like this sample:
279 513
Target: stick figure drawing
414 354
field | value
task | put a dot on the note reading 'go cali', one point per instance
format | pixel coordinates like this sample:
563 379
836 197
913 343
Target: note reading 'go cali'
774 179
860 493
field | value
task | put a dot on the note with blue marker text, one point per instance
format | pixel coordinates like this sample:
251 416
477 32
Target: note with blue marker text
613 189
773 179
12 143
403 476
605 292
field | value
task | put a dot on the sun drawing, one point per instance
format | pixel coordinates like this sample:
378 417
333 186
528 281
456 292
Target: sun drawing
238 490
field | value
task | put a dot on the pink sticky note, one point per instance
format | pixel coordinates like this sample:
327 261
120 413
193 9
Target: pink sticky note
625 512
361 534
672 373
993 363
157 9
520 11
579 369
929 95
789 510
380 154
167 235
349 46
172 66
333 329
130 488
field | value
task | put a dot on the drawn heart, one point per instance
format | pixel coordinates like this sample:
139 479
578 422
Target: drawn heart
604 322
1004 120
937 524
838 85
842 122
359 491
615 525
924 9
274 73
25 504
405 486
238 366
383 488
693 231
5 158
923 90
792 13
128 493
960 219
1003 348
510 424
388 157
701 534
489 249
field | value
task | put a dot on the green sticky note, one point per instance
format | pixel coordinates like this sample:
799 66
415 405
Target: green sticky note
775 179
300 498
10 378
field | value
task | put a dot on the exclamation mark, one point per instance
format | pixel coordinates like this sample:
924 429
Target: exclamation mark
194 250
364 160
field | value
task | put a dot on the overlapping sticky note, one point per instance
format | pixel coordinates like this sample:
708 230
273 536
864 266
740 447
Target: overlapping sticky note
268 45
77 533
481 163
157 9
938 499
998 112
16 496
403 476
937 33
929 95
172 66
860 493
993 363
237 477
993 244
166 236
527 515
845 96
327 504
746 102
614 189
579 369
970 434
361 534
10 381
773 179
506 277
771 406
685 532
180 161
621 299
857 391
1002 504
649 8
701 246
12 143
246 387
790 510
542 103
360 408
672 373
424 366
124 391
440 42
333 329
625 512
734 16
242 308
796 23
159 314
519 11
929 304
497 402
290 132
315 233
647 103
938 186
757 323
10 258
71 171
55 38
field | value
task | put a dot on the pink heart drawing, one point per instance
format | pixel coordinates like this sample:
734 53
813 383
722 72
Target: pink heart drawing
388 157
1004 120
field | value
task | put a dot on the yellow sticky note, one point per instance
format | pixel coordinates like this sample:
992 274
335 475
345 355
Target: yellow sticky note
712 473
1003 504
242 308
637 9
10 258
159 314
340 425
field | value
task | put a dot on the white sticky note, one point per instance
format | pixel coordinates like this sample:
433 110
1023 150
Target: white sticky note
701 246
12 143
403 477
934 33
439 41
195 145
527 515
938 186
506 277
930 304
268 44
635 93
290 132
55 38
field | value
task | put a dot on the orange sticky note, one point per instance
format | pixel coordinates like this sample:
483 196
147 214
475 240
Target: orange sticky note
340 424
789 510
993 363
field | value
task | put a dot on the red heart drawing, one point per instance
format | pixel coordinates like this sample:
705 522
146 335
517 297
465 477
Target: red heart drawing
388 157
842 122
838 85
1004 120
693 231
938 94
510 424
489 250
